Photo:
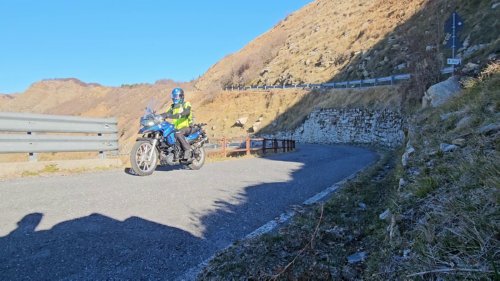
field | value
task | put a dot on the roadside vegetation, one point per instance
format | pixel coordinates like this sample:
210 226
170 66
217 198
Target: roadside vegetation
436 218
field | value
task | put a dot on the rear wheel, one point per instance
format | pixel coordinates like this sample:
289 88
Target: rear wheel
143 158
198 159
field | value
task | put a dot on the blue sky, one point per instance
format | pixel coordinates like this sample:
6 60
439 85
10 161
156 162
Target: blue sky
116 42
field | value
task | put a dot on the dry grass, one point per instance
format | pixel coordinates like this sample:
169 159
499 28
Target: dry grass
444 224
454 219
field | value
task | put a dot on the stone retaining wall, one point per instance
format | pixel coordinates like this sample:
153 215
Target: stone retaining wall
359 126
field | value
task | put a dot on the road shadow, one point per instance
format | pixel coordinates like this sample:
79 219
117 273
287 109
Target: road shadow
97 247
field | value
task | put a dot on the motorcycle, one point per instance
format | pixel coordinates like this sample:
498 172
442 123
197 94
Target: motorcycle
158 145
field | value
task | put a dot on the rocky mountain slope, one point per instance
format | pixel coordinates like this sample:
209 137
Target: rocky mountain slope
338 40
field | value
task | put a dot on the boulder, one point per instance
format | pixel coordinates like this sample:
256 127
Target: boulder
440 93
470 68
241 122
495 5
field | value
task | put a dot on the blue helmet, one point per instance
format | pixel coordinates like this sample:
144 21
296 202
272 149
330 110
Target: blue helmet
177 95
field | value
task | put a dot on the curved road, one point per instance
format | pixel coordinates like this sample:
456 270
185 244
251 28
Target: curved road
113 225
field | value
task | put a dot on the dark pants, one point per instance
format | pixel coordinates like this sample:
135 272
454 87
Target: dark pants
180 137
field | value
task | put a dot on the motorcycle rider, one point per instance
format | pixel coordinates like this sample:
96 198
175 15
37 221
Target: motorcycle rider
182 118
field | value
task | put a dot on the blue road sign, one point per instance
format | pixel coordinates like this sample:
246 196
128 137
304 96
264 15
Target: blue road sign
451 28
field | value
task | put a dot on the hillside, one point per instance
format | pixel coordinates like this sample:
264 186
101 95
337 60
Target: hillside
432 216
336 40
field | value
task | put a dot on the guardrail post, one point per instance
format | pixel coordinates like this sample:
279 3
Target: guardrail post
275 145
375 83
224 144
392 79
347 84
32 157
102 154
283 144
247 145
264 146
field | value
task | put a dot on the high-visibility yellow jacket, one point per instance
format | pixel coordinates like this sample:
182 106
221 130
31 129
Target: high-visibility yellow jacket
181 115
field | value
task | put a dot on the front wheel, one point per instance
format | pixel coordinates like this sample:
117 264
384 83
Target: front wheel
198 159
143 158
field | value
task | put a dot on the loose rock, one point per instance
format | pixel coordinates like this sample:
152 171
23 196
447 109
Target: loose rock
445 147
464 122
470 67
406 155
459 142
385 215
402 183
357 257
489 129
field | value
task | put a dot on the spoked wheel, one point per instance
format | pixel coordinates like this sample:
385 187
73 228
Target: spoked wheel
198 159
144 158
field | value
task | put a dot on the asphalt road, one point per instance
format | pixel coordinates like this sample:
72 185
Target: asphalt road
113 225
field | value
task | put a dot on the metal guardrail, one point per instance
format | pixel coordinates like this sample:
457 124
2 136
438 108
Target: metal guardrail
388 80
39 134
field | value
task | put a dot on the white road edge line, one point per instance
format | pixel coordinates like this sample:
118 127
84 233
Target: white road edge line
193 272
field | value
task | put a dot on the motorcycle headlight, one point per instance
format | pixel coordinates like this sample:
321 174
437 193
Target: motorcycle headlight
147 122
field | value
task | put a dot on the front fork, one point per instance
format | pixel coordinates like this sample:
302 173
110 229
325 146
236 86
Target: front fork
155 142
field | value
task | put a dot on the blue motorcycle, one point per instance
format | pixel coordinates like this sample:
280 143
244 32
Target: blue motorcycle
158 145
